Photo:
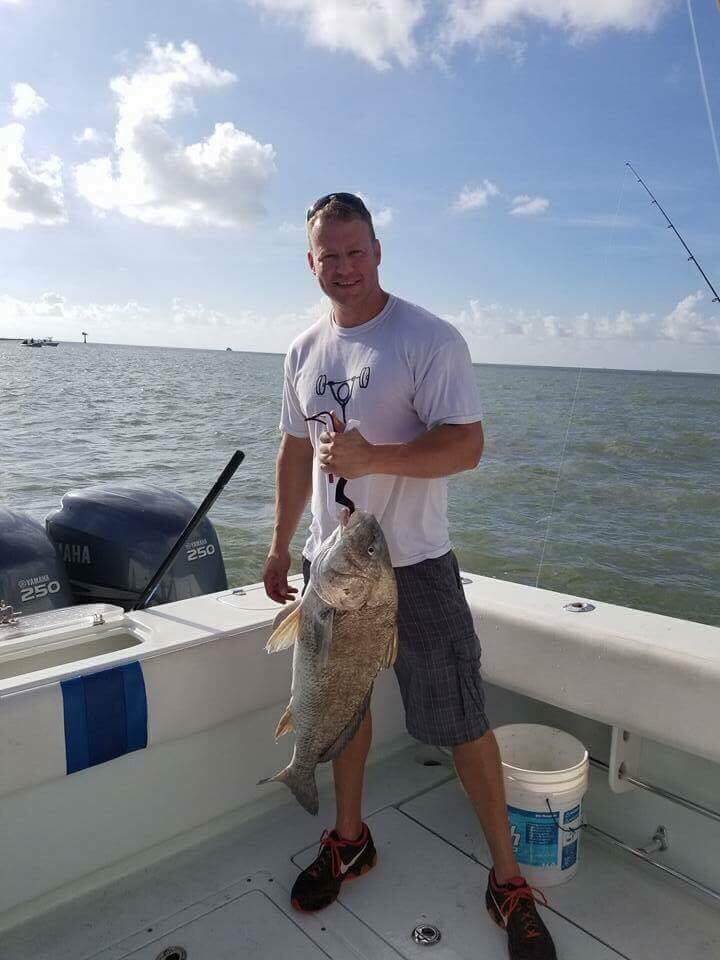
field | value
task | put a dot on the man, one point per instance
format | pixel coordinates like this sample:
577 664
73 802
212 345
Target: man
406 378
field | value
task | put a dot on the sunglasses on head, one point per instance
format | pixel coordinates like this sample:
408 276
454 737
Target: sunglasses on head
349 199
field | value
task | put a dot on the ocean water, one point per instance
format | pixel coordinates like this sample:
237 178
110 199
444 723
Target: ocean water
629 515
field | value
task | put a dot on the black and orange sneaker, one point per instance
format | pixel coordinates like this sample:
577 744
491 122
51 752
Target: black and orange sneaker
338 860
512 907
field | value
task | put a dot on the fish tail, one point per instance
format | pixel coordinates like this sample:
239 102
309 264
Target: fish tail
303 786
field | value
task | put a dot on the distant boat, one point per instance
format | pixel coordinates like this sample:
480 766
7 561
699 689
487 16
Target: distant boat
228 349
49 342
32 342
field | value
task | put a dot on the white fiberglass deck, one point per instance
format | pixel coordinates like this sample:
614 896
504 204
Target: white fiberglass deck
228 897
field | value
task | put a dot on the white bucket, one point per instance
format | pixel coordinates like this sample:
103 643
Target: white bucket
546 775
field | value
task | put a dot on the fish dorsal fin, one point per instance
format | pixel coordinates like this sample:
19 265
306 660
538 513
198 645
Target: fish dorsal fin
391 652
287 624
322 624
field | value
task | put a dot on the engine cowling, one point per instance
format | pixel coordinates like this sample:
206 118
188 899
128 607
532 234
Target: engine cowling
32 577
113 538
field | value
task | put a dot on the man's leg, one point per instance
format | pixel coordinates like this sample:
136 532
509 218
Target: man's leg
480 771
509 900
347 851
348 772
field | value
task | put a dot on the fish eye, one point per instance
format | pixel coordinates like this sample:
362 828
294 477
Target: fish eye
371 551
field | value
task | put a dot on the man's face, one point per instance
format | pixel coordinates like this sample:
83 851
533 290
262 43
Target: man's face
345 260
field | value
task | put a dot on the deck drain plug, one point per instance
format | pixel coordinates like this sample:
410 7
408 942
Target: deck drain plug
426 934
173 953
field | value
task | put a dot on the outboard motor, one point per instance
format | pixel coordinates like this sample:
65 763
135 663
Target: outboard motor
112 540
32 578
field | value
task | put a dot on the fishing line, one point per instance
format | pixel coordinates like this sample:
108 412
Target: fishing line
577 383
713 134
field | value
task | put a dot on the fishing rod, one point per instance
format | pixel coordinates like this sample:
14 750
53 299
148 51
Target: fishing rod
154 582
671 226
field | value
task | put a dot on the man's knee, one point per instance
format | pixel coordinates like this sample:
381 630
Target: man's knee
481 745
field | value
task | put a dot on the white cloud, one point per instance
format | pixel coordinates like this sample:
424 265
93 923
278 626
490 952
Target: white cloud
623 326
50 304
473 197
526 206
382 217
31 191
152 177
385 31
684 324
292 231
245 329
26 101
377 31
52 311
89 135
197 314
179 323
488 20
186 323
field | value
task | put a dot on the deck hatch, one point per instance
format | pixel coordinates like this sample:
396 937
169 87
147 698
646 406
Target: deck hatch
251 927
422 881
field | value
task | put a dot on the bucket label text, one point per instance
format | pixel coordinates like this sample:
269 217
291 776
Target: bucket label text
535 837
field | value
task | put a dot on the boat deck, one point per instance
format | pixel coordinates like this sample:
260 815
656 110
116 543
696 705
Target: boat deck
227 897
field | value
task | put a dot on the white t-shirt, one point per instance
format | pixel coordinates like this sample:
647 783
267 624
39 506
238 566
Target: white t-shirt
394 377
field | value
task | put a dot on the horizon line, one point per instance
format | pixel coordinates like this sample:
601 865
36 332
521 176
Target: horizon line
475 363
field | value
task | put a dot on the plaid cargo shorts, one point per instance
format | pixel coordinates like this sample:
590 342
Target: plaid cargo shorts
438 661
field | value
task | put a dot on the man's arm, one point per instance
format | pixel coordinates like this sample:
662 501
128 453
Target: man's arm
293 485
446 449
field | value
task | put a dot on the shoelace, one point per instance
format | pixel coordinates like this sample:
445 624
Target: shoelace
524 897
328 842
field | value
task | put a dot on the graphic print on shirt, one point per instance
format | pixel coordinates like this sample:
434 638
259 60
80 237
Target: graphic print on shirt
342 391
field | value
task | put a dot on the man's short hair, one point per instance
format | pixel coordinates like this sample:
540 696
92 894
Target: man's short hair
339 206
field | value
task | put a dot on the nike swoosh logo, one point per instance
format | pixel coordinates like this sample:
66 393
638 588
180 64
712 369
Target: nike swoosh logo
344 867
499 909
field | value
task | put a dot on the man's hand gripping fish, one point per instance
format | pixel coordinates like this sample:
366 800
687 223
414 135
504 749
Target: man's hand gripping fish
344 631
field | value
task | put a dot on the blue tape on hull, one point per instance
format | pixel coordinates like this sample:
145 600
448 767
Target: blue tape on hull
105 716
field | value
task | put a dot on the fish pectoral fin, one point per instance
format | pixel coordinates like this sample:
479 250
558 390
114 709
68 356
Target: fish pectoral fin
285 724
391 652
285 612
286 625
322 623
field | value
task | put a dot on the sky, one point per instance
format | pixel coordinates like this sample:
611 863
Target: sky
157 159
